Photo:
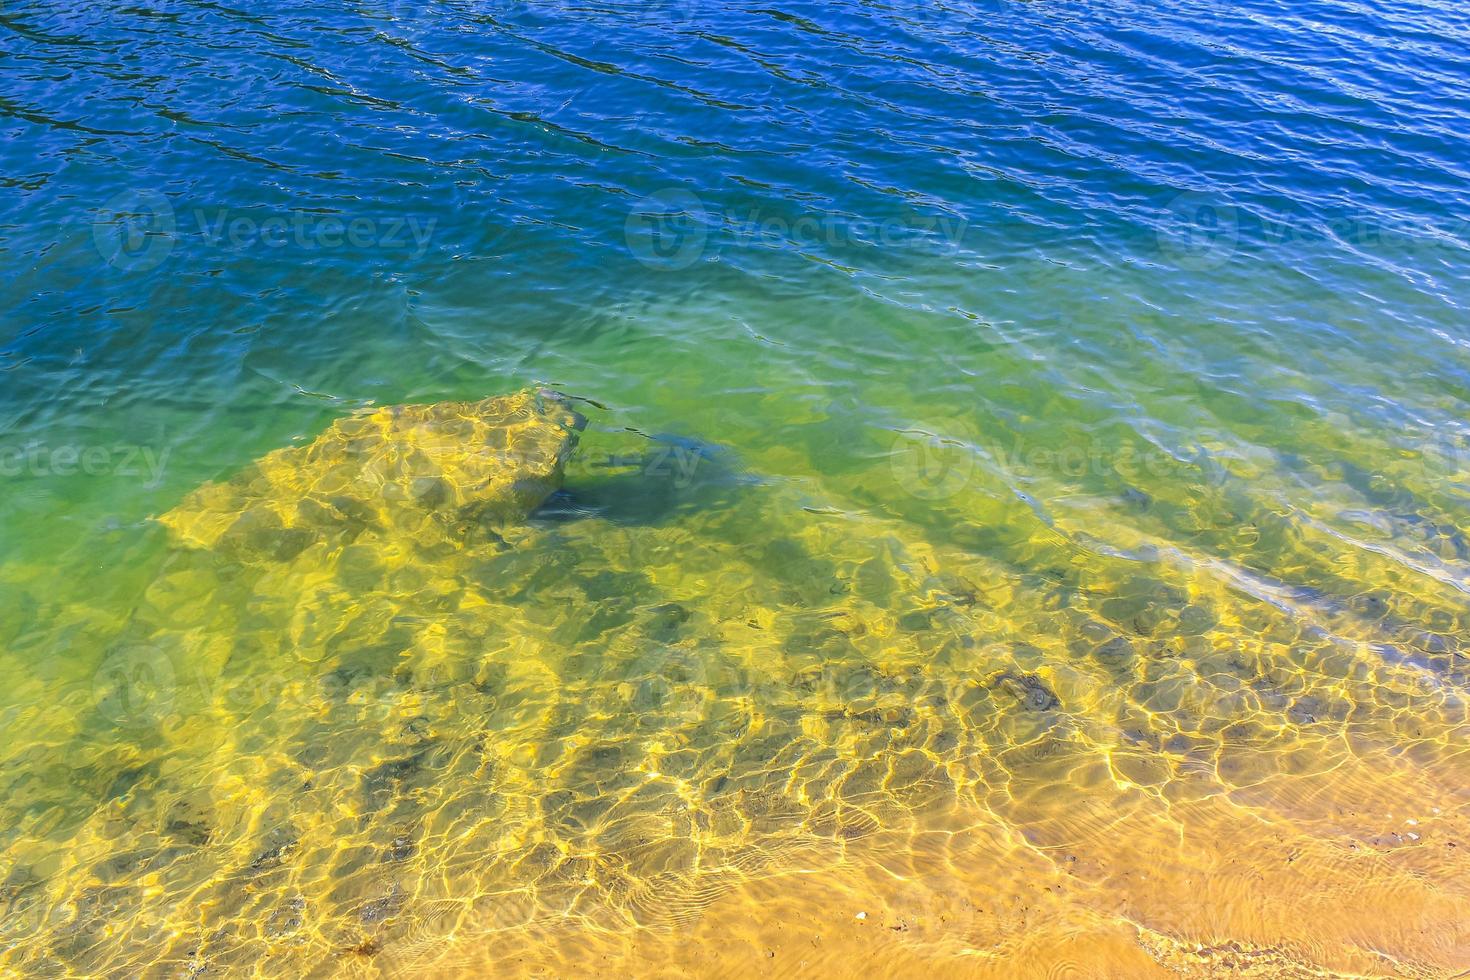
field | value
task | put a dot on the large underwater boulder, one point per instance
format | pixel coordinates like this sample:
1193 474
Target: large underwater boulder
416 470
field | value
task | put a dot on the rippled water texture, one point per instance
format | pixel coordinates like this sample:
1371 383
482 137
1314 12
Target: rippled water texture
1014 488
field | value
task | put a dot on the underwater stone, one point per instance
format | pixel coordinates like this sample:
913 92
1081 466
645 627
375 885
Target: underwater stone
1195 619
1030 690
446 465
1116 652
916 621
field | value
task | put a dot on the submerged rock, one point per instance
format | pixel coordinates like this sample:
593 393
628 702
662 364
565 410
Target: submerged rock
398 469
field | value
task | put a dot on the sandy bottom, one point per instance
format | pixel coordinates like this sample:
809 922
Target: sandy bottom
764 735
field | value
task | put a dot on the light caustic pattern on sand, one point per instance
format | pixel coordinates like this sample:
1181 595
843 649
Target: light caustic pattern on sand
370 719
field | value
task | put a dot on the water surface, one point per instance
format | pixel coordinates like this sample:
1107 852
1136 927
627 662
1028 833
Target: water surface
1020 523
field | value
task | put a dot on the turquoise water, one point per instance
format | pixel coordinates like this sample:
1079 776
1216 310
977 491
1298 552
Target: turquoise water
1114 301
1189 222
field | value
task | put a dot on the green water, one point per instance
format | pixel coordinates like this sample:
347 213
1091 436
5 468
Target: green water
777 611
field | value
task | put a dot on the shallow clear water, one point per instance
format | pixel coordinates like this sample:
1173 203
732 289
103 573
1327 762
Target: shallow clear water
1020 522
